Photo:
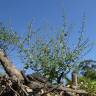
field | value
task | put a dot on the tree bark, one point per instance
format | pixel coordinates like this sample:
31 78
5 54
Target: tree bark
9 68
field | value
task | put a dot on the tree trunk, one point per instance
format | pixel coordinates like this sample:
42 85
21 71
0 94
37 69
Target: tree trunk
9 68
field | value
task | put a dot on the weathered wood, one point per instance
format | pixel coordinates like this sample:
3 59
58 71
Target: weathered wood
9 68
74 80
71 90
37 77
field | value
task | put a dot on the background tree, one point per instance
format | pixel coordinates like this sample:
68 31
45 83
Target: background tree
54 59
8 38
88 79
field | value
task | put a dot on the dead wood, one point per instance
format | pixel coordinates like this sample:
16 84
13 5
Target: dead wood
16 83
13 87
9 68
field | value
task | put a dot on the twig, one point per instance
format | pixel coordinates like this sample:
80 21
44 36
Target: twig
52 89
24 91
2 91
13 90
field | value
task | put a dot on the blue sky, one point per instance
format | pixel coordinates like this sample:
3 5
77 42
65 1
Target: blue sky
21 12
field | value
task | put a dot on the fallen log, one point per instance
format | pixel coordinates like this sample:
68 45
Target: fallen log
9 68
